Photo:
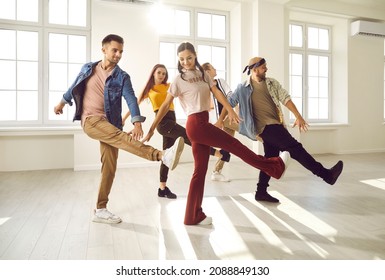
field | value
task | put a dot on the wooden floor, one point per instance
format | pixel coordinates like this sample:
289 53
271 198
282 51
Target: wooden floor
47 215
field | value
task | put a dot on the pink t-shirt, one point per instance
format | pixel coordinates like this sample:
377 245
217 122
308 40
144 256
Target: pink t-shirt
93 100
193 92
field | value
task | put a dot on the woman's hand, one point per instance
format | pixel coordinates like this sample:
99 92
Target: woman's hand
148 136
233 117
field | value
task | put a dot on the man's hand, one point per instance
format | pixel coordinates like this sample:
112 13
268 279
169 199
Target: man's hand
137 131
301 123
58 109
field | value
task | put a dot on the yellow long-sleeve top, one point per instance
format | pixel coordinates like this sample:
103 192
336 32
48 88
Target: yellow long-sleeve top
157 95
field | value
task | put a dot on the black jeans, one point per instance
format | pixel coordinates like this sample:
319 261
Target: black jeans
277 138
170 131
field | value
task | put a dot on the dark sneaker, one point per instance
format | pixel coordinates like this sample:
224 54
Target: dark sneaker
334 173
265 196
166 193
225 155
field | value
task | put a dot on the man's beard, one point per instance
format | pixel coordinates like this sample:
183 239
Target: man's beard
262 77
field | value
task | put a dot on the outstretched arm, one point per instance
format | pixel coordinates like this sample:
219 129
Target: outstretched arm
159 116
299 120
125 117
232 116
58 109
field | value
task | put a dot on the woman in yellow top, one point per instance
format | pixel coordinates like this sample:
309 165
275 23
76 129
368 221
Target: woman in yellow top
156 90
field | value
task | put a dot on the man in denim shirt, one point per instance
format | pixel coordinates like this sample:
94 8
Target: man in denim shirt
97 92
260 100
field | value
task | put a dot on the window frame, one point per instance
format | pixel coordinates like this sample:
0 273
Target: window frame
305 51
28 28
44 28
69 121
195 40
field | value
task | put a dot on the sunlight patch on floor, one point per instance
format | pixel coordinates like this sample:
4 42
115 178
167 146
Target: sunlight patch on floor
263 228
162 250
378 183
4 220
306 218
301 216
223 229
176 214
225 239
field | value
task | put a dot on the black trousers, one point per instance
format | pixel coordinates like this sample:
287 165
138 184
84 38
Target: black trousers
170 131
277 138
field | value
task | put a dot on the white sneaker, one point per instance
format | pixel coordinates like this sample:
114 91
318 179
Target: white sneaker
172 155
285 156
104 216
217 176
207 221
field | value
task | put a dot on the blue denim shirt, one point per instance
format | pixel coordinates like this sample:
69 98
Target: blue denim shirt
118 84
242 96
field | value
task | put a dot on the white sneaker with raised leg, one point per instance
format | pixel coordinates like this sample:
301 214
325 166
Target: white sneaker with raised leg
172 155
285 156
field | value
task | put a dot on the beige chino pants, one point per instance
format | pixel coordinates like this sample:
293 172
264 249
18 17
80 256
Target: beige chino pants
111 140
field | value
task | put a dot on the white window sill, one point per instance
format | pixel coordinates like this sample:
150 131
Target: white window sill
30 131
325 126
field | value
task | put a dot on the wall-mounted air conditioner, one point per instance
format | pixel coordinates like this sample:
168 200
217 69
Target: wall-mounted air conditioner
145 2
368 28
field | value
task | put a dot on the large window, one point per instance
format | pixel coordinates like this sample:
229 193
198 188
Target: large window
309 70
206 30
43 45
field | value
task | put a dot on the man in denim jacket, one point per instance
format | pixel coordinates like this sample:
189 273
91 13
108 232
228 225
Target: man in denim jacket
97 92
260 100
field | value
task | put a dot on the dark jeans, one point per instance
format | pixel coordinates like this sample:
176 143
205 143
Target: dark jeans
277 138
170 131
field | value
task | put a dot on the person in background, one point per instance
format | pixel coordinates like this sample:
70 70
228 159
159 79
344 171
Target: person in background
156 91
193 86
225 89
97 91
259 99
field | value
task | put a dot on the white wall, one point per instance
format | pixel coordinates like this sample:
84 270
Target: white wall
258 27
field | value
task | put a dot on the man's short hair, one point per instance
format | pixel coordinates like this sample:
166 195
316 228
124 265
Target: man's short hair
112 37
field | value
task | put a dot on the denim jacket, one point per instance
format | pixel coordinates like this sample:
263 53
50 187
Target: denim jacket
242 96
118 84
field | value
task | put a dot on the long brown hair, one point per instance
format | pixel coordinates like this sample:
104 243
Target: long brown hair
188 46
151 82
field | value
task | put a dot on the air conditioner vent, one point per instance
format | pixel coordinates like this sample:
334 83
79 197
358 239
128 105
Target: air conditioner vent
142 2
367 28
